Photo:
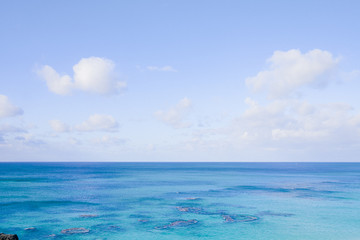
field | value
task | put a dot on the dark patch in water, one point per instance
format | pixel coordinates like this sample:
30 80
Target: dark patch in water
89 216
257 188
149 199
270 213
232 191
75 230
167 183
318 196
178 223
100 228
279 189
239 218
194 210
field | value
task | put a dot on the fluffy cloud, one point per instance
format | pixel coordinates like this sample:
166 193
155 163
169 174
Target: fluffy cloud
287 124
98 122
297 121
161 69
96 75
291 70
59 126
175 116
58 84
93 74
283 124
7 109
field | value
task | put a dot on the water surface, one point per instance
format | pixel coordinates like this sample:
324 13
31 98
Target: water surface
180 200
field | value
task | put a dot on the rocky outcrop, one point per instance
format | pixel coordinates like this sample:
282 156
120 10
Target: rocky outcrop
75 230
179 223
239 218
4 236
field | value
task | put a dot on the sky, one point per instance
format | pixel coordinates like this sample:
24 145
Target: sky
157 80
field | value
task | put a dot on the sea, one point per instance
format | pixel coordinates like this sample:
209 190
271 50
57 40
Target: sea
173 201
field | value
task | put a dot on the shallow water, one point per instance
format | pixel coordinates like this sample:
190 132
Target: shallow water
180 200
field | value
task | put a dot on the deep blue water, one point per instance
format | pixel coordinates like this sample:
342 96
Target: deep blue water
181 200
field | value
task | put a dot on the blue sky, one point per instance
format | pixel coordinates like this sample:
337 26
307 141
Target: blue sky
179 81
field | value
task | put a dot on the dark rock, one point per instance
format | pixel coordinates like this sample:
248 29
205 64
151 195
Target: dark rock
75 230
115 227
179 223
239 218
228 218
4 236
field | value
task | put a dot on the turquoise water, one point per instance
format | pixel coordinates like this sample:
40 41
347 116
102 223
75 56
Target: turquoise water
181 200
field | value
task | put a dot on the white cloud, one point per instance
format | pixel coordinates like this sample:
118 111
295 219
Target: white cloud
161 69
175 116
59 126
297 121
61 85
93 74
286 119
96 75
7 109
98 122
291 70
